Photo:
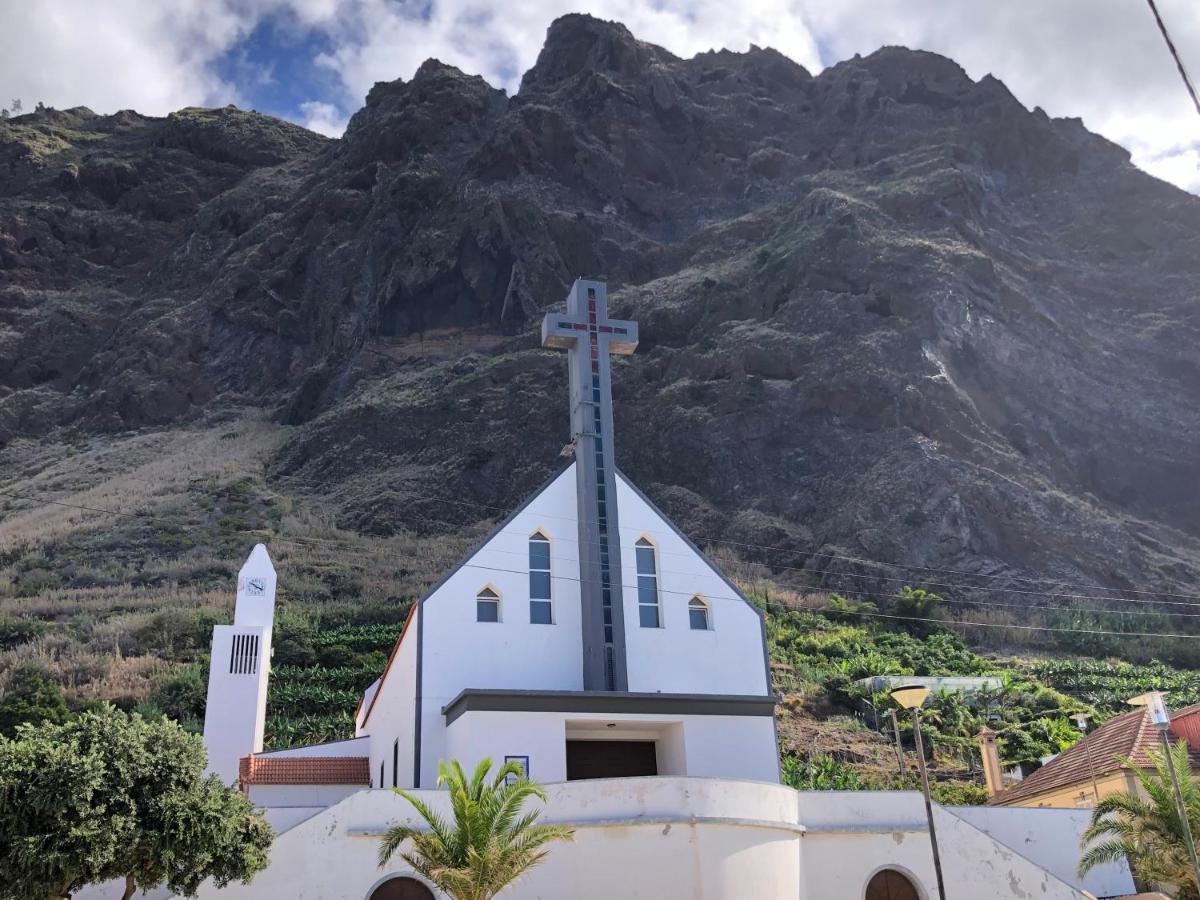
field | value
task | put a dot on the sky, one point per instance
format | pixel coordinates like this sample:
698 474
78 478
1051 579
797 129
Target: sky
312 61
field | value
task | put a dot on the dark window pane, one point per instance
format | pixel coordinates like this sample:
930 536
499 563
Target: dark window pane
487 611
608 634
645 560
648 589
539 554
699 618
648 616
539 612
539 585
608 616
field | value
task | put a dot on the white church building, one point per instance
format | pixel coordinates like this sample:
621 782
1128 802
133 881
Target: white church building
588 639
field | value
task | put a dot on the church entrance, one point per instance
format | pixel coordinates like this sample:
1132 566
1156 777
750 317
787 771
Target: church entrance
610 759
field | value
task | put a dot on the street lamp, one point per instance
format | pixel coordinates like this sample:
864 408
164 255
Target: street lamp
912 697
1081 719
1162 721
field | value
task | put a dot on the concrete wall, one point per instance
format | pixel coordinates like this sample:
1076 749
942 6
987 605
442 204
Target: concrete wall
699 746
1080 794
1050 838
460 652
393 716
639 839
728 659
851 835
236 705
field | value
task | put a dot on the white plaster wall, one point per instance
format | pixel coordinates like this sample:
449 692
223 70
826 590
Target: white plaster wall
850 835
303 795
236 705
728 659
460 652
393 715
637 838
349 747
1050 838
741 747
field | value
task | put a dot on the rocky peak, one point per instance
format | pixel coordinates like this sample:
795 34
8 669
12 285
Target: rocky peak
579 44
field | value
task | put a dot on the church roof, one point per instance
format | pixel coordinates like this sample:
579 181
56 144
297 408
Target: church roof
1129 735
304 770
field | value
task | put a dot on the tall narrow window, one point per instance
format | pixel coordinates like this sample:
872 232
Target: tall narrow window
487 606
647 576
396 763
698 614
540 611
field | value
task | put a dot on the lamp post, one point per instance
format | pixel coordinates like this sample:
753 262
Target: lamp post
1081 719
912 697
1162 721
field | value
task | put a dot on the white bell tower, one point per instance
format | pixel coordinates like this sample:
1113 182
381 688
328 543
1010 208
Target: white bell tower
239 670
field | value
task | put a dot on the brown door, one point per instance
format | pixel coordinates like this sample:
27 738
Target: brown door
610 759
402 889
891 885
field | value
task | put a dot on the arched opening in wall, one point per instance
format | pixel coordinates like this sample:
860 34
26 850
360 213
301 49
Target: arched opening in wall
402 888
889 884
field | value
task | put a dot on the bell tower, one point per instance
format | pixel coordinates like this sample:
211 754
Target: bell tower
236 711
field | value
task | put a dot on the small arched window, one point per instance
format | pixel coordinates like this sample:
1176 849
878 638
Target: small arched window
487 606
647 580
540 608
698 615
891 884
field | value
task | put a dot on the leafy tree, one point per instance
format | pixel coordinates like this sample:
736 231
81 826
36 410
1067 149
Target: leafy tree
108 796
16 105
916 604
1149 831
488 845
31 696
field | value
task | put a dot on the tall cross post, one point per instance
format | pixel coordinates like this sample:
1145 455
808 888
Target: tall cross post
589 337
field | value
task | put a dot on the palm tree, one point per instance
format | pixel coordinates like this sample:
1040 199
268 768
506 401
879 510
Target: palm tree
488 845
1149 831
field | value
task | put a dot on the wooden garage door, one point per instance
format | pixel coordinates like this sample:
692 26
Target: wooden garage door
610 759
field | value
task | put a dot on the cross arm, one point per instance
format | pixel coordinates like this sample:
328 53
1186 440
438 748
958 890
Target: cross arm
561 331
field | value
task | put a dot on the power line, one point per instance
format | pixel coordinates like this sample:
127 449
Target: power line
1187 80
813 552
359 554
890 616
298 541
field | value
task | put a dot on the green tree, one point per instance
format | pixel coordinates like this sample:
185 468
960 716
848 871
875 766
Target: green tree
1148 830
31 696
488 845
109 795
916 605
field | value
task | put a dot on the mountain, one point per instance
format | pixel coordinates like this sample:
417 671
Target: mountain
887 313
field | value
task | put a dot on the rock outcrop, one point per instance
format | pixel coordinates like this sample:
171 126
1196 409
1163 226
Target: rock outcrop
886 311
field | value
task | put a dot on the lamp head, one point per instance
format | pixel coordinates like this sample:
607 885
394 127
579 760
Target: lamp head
1081 719
910 696
1157 703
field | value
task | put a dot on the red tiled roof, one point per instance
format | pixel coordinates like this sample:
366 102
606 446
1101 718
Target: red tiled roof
304 770
1129 735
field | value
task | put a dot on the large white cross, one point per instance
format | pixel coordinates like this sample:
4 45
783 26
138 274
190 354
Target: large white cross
589 337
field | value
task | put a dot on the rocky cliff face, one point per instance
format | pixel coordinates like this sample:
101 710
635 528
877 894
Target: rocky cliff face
886 312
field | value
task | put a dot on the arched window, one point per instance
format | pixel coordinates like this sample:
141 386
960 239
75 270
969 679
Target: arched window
890 884
402 889
698 615
647 579
540 608
487 606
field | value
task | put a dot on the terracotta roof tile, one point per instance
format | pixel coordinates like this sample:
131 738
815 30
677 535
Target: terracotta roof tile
304 770
1130 735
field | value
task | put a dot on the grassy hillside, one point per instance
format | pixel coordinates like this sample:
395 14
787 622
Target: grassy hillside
118 555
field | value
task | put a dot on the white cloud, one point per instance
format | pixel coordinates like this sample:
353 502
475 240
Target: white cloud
323 118
1102 60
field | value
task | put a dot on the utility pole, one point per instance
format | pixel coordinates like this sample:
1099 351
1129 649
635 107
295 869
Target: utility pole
896 735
